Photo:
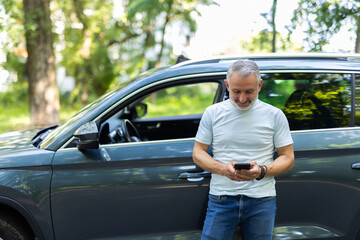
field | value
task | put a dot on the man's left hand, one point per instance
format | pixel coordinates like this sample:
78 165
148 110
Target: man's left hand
248 175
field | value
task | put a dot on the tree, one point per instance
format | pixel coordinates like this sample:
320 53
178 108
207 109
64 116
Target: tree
43 90
35 64
265 34
34 18
273 14
109 45
84 49
14 45
263 43
156 17
97 47
324 18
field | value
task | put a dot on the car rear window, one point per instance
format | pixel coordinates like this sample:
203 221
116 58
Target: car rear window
310 100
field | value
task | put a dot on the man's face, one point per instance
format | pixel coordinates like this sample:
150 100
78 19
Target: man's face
243 90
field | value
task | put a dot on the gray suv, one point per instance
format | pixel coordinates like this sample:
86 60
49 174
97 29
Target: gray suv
122 167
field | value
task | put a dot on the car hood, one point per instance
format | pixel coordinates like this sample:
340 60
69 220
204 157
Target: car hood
16 141
16 151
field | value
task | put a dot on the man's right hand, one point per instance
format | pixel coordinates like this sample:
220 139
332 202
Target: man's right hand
202 159
228 170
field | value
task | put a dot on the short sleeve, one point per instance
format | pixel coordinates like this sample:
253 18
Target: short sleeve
282 136
205 134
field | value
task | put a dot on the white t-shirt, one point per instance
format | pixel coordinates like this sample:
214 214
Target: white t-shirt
243 136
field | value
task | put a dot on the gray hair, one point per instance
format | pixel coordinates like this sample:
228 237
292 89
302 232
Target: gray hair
244 68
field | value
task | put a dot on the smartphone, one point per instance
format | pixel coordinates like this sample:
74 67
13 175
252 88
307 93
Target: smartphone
239 166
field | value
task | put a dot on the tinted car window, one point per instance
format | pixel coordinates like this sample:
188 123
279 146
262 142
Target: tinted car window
310 100
357 99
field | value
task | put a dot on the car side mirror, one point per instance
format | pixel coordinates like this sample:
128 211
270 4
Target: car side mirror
87 136
141 109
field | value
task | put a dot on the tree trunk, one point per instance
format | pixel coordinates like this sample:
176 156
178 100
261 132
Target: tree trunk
273 14
87 72
162 44
357 43
43 90
85 50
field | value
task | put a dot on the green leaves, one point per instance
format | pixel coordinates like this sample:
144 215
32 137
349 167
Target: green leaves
322 19
102 42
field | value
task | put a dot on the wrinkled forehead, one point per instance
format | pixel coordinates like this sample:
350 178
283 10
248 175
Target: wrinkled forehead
243 82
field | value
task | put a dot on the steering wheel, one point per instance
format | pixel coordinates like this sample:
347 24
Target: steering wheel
126 132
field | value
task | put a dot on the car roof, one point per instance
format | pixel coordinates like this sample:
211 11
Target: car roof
268 63
273 62
284 61
217 66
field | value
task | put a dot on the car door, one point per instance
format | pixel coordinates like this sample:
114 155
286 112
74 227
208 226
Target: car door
133 189
320 196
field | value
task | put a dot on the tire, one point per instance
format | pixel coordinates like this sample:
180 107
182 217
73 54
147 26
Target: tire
14 229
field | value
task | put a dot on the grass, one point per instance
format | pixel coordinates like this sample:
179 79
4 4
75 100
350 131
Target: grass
14 118
175 101
17 117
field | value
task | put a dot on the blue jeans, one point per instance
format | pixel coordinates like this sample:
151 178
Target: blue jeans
256 217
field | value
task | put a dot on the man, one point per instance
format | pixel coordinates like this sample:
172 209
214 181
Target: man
247 130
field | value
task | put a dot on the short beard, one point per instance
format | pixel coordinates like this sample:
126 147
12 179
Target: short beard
233 102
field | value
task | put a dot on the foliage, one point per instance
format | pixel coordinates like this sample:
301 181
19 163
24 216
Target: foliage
16 92
324 18
84 53
263 43
13 45
14 118
14 109
116 42
101 43
102 40
14 114
181 100
270 18
269 40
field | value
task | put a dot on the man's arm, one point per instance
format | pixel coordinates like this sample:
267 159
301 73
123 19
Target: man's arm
202 158
283 163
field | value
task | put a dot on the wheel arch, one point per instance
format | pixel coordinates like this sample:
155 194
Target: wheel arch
355 228
10 206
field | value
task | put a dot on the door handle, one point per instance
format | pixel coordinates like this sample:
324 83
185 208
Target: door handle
356 166
194 176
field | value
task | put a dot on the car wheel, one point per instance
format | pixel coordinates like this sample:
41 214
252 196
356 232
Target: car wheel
10 229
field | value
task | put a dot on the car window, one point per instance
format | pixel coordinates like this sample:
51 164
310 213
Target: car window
357 99
310 100
168 113
180 100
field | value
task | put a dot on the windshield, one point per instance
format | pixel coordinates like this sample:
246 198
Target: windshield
83 112
63 127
